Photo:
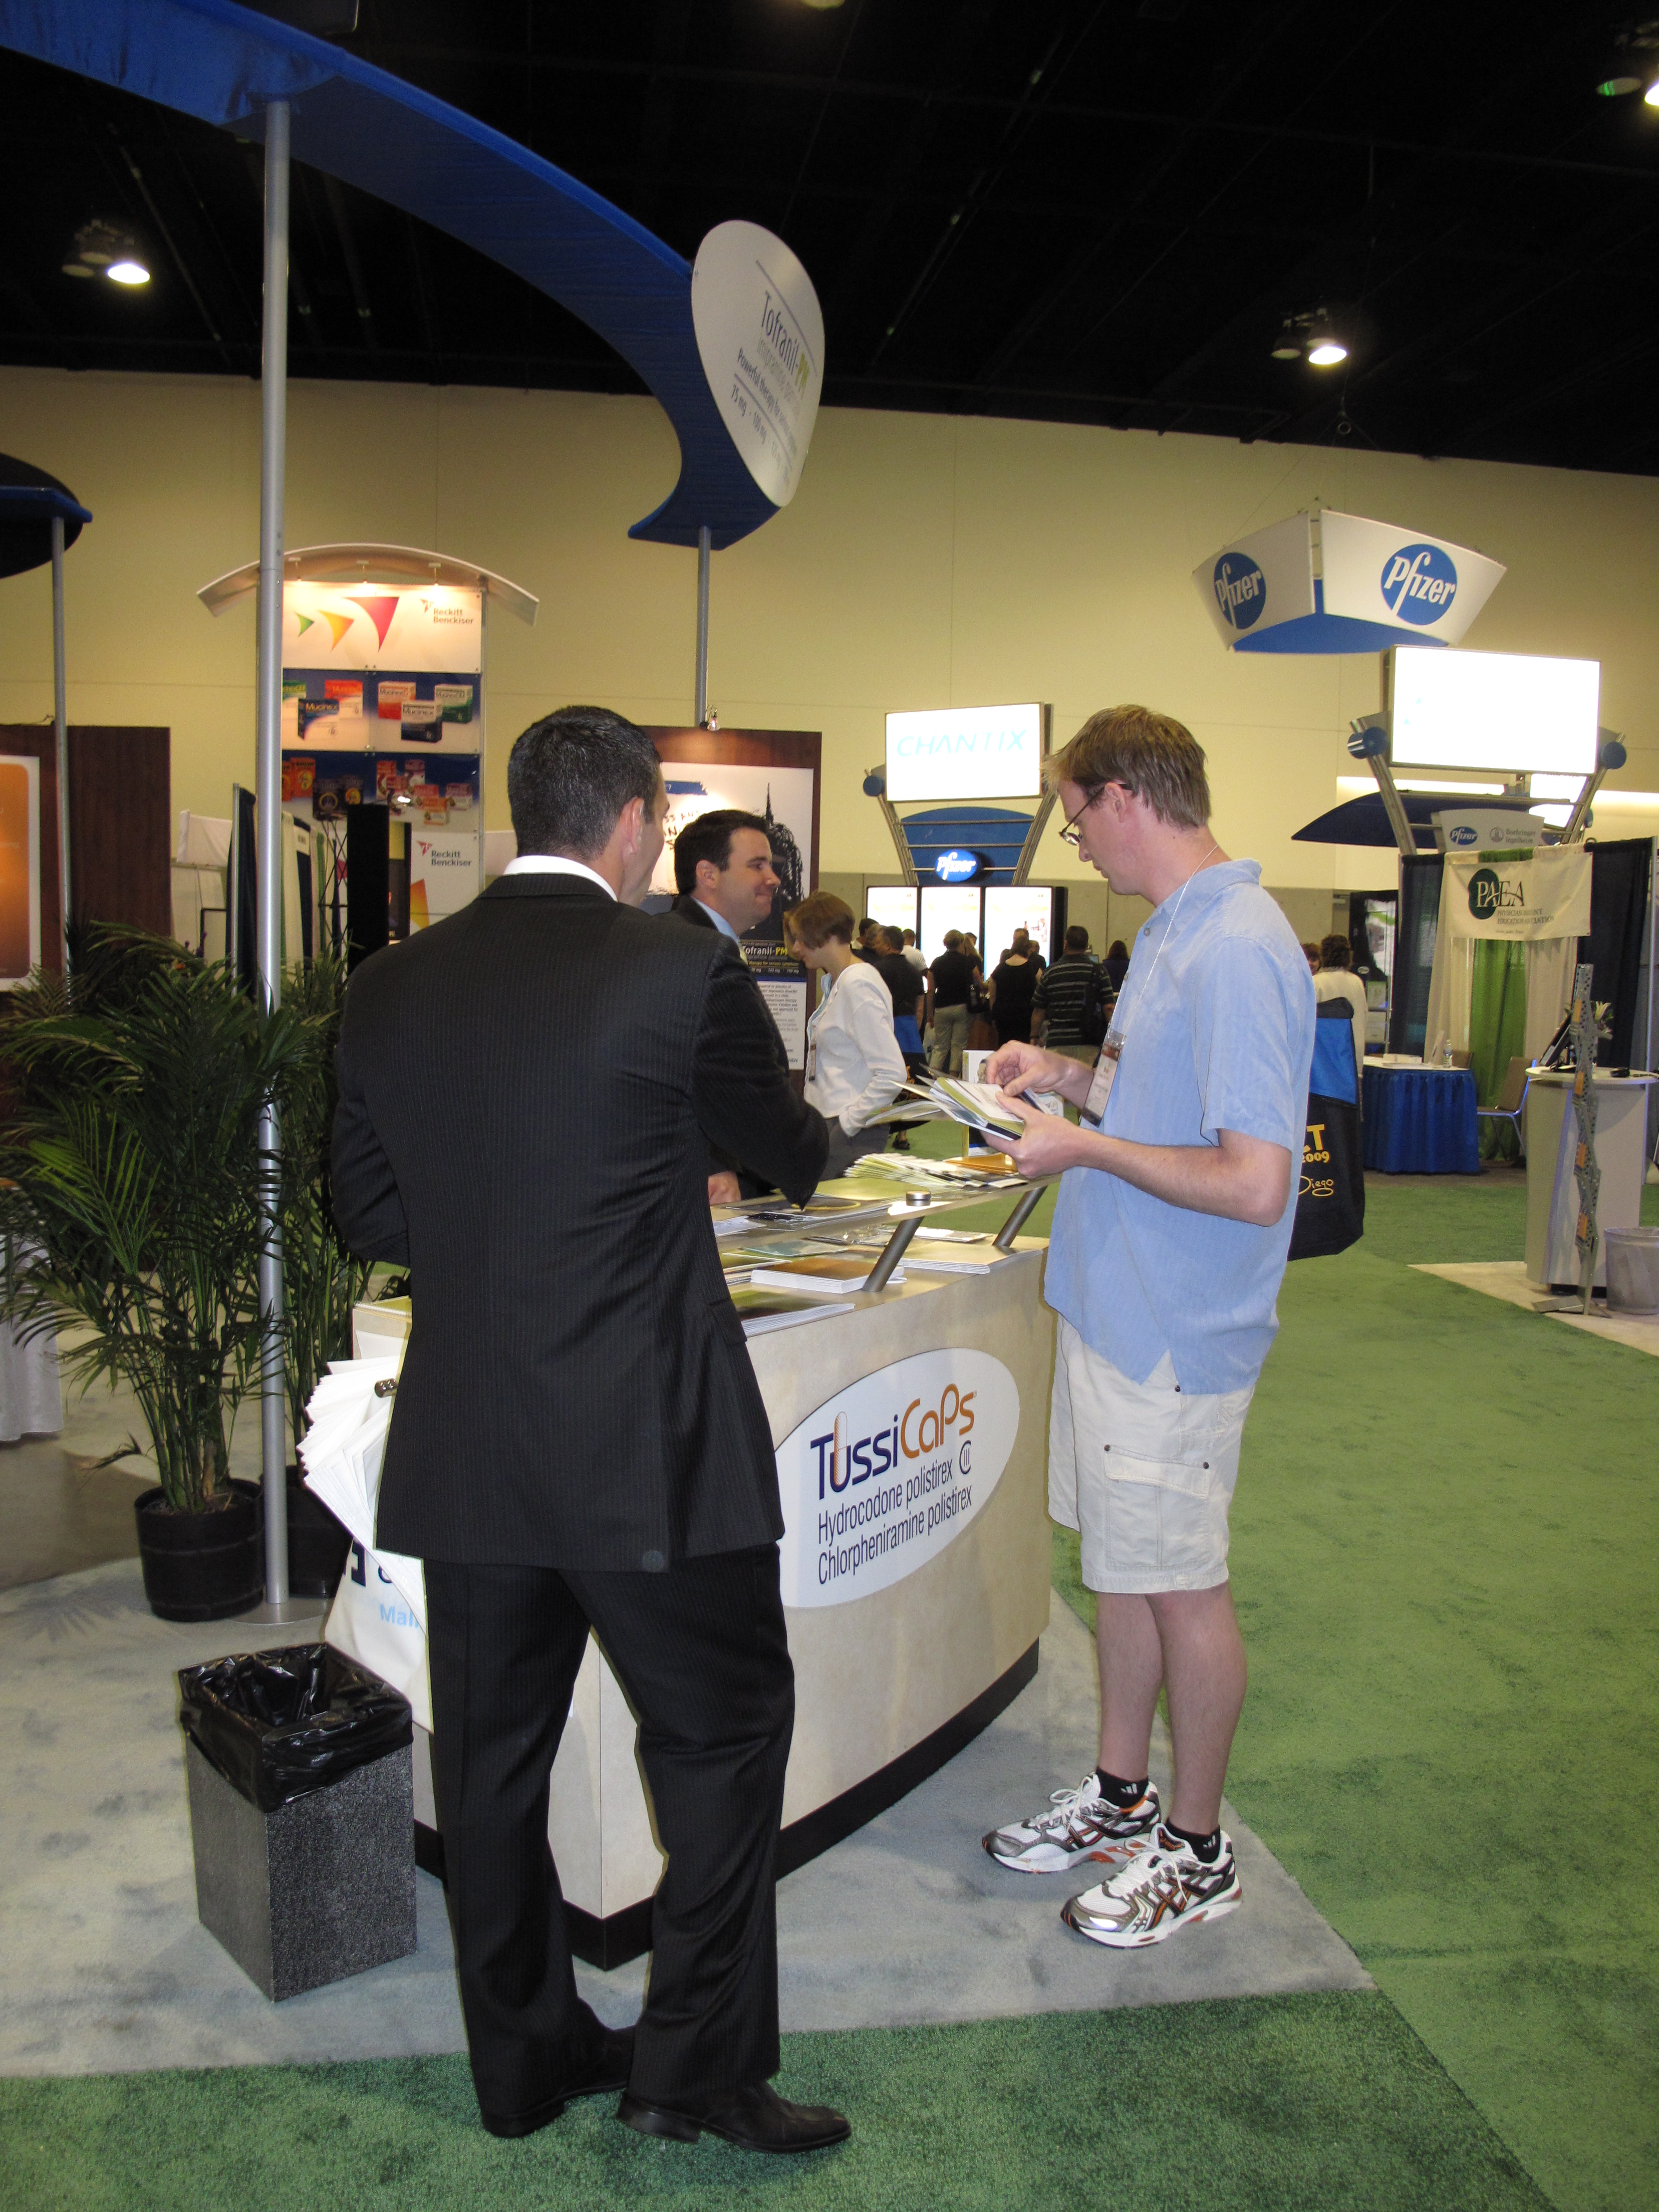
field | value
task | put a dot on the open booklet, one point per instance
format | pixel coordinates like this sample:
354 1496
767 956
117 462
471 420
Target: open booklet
974 1105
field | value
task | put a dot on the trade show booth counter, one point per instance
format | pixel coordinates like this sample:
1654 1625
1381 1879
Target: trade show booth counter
911 1429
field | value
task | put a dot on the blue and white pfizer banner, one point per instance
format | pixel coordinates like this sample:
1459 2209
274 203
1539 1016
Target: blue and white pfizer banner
1341 583
760 337
883 1476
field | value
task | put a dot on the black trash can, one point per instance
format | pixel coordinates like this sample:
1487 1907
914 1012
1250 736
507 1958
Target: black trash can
302 1814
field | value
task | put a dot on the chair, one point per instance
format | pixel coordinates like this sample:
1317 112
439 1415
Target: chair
1510 1102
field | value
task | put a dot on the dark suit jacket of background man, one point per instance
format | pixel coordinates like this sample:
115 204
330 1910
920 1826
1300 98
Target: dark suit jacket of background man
528 1092
750 1185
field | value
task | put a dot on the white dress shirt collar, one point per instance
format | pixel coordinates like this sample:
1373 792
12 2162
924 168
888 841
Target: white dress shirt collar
555 864
718 920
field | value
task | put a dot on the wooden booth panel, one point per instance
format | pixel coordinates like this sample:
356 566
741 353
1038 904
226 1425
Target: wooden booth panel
120 800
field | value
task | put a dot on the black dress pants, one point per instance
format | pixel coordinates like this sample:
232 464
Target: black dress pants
702 1654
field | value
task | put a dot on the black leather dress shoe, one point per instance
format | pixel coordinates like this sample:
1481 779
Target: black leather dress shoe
609 2069
757 2118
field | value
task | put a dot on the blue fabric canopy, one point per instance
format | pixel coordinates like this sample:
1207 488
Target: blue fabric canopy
223 63
29 499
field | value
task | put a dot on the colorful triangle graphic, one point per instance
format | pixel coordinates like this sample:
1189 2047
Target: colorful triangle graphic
305 622
339 622
380 610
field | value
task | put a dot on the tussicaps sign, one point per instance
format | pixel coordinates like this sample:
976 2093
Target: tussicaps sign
883 1476
1327 582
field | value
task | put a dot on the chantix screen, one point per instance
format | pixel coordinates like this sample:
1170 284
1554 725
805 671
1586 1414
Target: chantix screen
966 752
1520 713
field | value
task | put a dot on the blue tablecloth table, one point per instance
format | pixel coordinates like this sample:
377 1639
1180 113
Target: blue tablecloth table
1421 1121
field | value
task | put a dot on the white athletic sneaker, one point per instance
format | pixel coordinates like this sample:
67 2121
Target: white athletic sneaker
1161 1889
1084 1825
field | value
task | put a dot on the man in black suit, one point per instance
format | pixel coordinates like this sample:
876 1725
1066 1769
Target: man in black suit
725 878
527 1093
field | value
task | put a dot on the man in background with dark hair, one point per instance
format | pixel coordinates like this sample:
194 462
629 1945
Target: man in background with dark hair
1058 1002
726 880
528 1090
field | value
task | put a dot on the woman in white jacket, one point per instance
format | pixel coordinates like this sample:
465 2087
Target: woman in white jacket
853 1064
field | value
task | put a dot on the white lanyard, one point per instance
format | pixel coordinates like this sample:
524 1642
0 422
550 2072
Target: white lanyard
1111 1052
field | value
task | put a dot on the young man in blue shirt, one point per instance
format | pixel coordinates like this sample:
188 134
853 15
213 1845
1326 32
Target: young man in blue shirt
1168 1244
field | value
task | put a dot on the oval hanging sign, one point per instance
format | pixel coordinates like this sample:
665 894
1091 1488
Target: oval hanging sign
884 1474
760 336
957 867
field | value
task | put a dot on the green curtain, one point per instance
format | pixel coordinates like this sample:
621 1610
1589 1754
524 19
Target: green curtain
1497 1034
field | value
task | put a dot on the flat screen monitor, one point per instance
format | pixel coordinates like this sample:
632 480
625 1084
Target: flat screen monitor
966 752
948 906
893 905
1521 713
1009 906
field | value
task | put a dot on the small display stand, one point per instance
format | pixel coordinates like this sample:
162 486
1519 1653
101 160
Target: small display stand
1552 1186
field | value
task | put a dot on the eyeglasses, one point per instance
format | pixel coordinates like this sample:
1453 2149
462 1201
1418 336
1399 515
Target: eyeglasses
1071 835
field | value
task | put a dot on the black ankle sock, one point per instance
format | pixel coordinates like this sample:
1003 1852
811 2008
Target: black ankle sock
1118 1792
1206 1848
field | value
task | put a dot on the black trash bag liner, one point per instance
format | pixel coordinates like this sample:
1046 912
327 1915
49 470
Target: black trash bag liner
278 1724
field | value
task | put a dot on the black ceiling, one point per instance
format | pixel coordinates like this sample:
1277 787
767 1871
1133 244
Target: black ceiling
1095 212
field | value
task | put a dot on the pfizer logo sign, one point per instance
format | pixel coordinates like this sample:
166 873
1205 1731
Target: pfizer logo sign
1241 590
888 1472
1420 583
1461 835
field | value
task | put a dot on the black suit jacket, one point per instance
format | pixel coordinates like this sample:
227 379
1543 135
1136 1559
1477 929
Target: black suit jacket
751 1183
528 1090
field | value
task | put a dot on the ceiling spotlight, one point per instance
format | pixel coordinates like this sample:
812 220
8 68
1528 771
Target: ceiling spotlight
1310 336
1634 63
101 250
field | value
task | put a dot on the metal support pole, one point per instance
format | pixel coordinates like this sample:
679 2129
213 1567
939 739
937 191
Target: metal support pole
897 1244
701 712
268 788
60 720
1024 1207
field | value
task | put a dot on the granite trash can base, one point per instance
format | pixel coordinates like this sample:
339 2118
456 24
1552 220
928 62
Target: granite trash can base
321 1888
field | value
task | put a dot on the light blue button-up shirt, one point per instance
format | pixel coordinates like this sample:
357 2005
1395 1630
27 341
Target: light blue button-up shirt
1218 1034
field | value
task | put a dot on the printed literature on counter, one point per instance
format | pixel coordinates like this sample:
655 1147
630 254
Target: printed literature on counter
823 1278
974 1105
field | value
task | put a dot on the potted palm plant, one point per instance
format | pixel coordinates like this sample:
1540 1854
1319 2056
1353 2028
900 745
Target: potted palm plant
133 1180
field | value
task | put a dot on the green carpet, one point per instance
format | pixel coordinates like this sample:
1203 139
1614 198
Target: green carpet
1443 1556
1312 2103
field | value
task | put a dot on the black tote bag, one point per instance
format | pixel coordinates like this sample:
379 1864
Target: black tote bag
1330 1209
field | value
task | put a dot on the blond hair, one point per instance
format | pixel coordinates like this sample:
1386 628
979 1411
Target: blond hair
1153 755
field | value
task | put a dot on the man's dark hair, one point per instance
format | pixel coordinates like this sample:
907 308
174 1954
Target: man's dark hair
892 939
1077 938
709 838
570 775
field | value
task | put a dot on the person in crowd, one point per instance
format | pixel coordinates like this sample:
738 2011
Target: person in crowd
1116 964
574 1444
853 1064
1024 942
725 879
1310 954
1011 984
1168 1244
1061 995
1334 979
907 990
912 951
869 947
952 986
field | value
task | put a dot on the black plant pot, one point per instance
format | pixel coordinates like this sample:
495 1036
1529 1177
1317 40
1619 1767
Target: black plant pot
202 1566
317 1543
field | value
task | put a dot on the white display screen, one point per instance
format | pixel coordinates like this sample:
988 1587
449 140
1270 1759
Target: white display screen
893 905
947 906
1009 906
1515 711
966 752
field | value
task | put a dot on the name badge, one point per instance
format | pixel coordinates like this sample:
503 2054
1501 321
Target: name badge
1105 1074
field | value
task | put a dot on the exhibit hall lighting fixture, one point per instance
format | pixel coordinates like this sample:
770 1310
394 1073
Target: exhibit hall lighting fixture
1633 65
101 250
1310 336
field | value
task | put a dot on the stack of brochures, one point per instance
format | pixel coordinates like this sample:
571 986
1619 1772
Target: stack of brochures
761 1311
976 1105
990 1171
821 1277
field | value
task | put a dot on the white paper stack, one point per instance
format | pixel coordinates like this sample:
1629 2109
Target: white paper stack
342 1453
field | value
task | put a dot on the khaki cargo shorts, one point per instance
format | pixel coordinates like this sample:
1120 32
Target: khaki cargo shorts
1144 1471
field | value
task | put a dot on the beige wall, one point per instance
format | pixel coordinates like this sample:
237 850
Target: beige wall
926 560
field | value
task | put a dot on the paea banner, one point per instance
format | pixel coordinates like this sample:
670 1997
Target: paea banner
1341 583
1518 897
760 336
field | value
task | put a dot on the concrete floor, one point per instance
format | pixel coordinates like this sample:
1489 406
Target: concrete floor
104 1967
